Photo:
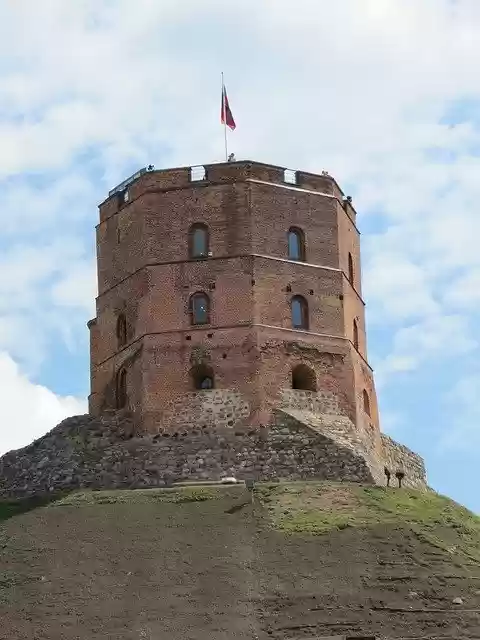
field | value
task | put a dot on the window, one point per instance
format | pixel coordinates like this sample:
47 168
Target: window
121 399
198 173
366 403
351 274
355 334
299 313
198 241
296 245
290 176
200 308
304 378
121 330
202 377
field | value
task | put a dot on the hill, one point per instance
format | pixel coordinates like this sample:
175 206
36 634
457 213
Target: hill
303 560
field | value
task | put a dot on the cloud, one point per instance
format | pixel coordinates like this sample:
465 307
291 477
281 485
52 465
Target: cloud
29 410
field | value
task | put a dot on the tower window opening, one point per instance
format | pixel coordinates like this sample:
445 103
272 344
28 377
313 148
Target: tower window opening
351 273
290 176
198 241
121 390
121 330
299 307
200 308
296 244
304 378
202 378
366 403
198 173
355 335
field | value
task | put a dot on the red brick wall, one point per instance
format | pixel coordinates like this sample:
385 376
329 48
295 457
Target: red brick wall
144 272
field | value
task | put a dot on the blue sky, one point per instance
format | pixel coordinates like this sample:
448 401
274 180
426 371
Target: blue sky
384 94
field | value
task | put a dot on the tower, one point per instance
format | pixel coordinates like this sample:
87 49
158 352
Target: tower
227 292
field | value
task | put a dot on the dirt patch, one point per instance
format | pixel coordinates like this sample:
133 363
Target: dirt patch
183 563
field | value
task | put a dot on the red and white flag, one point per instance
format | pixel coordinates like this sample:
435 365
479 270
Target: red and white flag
227 117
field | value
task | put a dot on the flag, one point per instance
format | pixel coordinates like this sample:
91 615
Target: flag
227 117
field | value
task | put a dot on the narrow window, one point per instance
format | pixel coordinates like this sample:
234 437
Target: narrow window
202 377
351 274
366 403
355 334
296 245
299 313
198 241
304 378
121 330
121 398
199 308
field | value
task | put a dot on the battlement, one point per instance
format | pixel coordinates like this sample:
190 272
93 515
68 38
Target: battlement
198 176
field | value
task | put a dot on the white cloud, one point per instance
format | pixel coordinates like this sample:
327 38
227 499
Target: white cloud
463 433
29 410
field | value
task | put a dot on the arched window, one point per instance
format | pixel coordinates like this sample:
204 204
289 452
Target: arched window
121 330
198 241
202 377
299 313
366 403
351 273
355 334
304 378
296 244
121 391
199 308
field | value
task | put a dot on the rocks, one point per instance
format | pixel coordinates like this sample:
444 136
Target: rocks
106 453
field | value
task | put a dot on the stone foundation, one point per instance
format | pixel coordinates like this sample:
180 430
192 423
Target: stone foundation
218 408
105 453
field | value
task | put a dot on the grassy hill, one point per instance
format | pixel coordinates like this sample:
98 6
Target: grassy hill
303 560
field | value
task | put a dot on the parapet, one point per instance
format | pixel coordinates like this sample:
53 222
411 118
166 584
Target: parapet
145 181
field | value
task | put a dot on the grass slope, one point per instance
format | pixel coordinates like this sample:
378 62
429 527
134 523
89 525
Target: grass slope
302 560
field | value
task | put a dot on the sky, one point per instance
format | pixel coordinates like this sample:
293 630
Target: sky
383 94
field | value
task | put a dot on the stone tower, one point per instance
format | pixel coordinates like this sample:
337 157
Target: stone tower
230 295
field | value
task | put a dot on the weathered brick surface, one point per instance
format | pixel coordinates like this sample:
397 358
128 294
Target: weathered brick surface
249 345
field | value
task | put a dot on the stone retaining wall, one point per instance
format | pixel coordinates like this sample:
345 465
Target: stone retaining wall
219 408
104 453
397 457
314 401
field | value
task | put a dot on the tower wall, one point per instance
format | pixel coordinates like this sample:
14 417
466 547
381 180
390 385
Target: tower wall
249 350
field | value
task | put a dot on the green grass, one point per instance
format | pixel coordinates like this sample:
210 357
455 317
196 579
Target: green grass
317 508
310 508
177 495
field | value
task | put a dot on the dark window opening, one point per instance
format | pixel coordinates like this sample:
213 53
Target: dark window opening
202 377
351 274
198 241
304 378
299 313
121 330
366 403
296 245
121 398
355 334
200 308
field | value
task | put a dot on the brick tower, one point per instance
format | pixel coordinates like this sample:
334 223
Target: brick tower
227 294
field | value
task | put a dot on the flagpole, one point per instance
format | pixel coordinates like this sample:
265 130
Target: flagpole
224 113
